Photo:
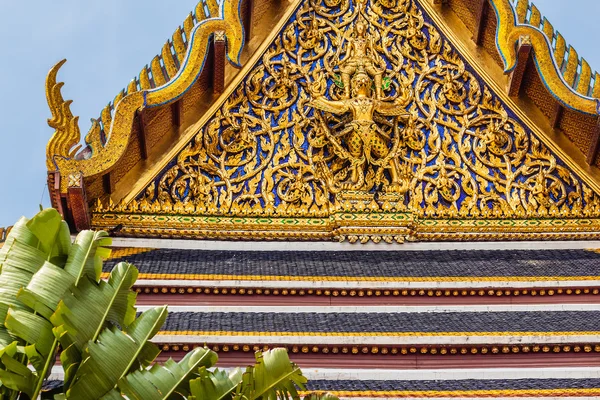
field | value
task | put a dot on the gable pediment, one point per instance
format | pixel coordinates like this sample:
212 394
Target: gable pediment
361 120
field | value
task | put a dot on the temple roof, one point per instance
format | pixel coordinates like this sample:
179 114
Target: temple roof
392 309
163 112
388 121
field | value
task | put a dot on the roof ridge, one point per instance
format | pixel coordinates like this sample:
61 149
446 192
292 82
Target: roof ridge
163 67
575 70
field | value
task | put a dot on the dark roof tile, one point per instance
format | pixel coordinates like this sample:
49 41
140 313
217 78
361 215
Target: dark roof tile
454 385
409 264
431 322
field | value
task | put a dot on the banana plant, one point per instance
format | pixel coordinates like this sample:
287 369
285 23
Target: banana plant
273 376
52 293
32 244
217 384
163 382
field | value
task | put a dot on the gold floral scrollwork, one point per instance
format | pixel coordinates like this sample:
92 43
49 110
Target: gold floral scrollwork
75 180
364 103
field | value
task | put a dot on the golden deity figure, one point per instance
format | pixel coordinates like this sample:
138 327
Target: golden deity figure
361 55
282 80
312 35
365 142
495 139
540 192
238 138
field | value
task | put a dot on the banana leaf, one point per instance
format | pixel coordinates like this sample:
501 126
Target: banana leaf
30 244
45 290
321 396
273 376
169 381
90 308
14 375
31 328
49 228
87 254
115 354
84 313
46 231
215 385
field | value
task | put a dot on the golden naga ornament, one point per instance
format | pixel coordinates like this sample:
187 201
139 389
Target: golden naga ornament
524 23
104 154
360 120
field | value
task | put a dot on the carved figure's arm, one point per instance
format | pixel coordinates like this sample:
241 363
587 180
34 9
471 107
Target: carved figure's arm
335 107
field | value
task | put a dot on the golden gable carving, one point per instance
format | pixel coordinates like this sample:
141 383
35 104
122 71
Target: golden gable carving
360 120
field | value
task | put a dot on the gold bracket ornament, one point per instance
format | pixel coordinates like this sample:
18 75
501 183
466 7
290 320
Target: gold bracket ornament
62 147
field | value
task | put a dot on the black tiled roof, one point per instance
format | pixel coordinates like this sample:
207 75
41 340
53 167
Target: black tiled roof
440 263
455 385
527 321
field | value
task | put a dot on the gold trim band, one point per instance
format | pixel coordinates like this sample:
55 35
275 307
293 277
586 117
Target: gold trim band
222 277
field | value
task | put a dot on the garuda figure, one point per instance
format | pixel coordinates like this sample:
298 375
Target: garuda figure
364 140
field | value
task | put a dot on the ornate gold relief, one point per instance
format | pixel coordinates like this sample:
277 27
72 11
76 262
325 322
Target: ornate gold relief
360 121
60 153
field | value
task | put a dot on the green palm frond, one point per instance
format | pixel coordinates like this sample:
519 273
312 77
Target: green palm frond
91 307
87 310
87 253
162 382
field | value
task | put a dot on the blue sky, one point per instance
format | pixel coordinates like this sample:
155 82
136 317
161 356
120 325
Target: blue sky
106 43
